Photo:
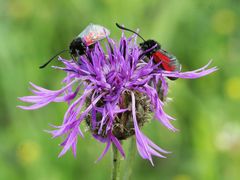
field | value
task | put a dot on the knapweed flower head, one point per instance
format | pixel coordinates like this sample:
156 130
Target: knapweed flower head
115 91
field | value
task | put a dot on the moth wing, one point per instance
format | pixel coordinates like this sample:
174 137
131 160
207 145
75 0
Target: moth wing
169 62
93 33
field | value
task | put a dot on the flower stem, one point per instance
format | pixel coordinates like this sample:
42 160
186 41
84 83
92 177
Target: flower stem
130 159
116 163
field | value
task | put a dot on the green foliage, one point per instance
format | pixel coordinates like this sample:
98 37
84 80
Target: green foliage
207 110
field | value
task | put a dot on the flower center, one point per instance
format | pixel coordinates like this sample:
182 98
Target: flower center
122 125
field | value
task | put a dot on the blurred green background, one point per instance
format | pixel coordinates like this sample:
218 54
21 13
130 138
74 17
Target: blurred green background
207 110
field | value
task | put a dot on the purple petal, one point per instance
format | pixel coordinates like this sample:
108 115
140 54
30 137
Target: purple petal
117 144
145 146
105 150
69 143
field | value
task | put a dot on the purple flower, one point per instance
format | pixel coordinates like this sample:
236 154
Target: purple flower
119 93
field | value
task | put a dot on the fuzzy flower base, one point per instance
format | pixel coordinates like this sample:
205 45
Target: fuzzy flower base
118 92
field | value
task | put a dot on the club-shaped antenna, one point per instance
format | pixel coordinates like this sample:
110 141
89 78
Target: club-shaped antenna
44 65
121 27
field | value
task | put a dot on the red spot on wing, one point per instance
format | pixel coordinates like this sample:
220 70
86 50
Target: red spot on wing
93 37
89 39
164 59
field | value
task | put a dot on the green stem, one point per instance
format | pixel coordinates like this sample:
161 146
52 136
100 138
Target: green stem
116 163
130 159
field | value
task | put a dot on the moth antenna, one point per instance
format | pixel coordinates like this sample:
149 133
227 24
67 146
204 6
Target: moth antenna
121 27
44 65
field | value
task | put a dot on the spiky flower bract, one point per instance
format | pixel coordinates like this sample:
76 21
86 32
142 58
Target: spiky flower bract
118 92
